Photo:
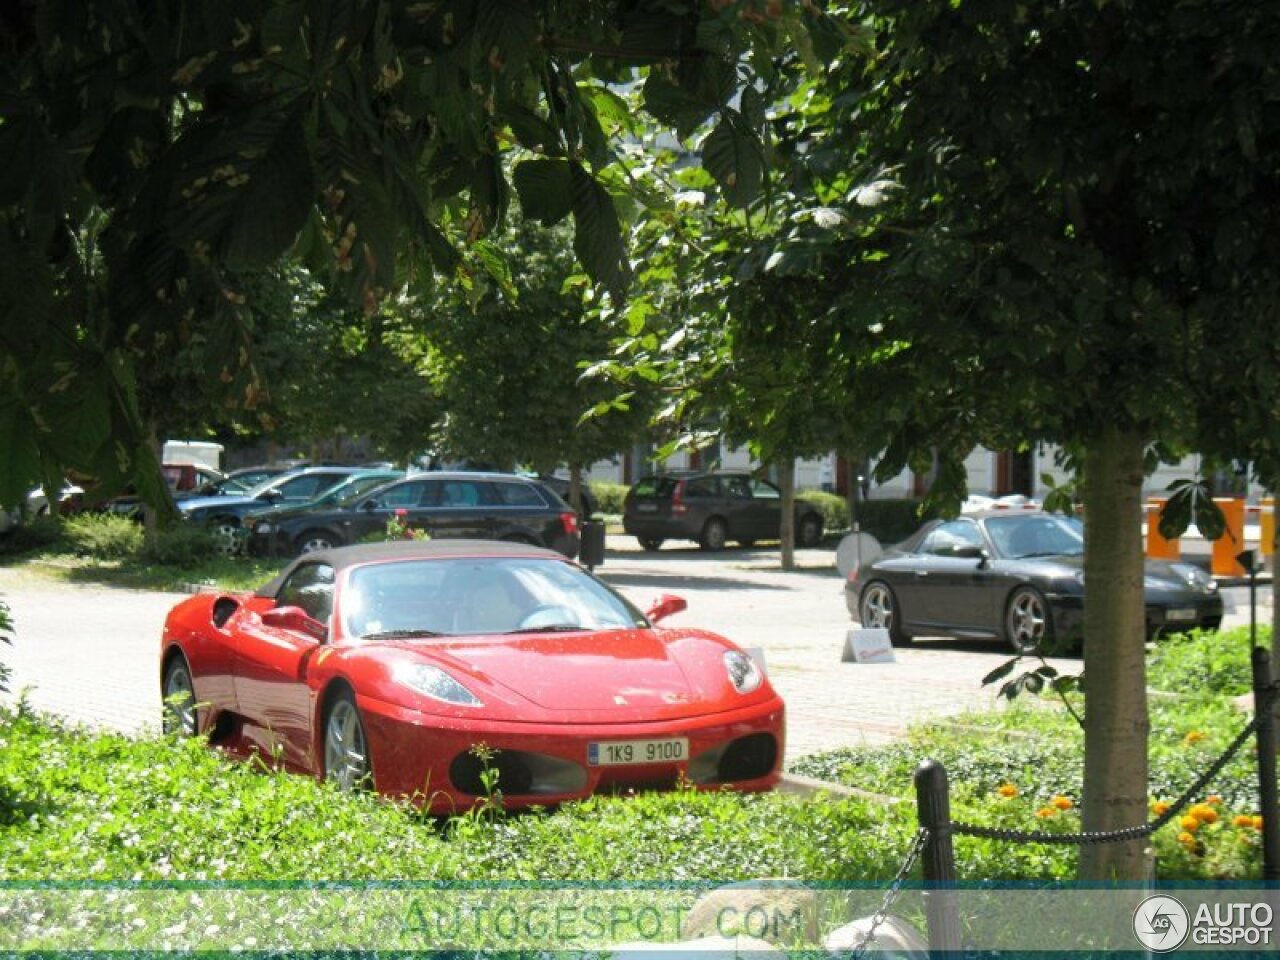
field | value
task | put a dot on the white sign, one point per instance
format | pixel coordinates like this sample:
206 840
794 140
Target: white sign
870 645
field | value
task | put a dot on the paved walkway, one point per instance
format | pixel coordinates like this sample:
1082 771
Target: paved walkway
89 652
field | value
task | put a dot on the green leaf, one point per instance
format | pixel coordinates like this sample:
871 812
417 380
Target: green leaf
271 208
1000 672
597 236
1191 501
506 33
736 159
676 106
543 187
532 131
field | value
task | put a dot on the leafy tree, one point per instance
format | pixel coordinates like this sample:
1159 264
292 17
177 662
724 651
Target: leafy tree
6 636
156 152
508 361
1074 245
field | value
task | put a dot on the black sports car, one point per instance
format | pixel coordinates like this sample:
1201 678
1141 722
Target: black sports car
1012 575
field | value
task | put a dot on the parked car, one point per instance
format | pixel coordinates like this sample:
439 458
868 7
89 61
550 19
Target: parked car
349 489
713 508
561 487
488 506
383 665
240 481
226 514
1018 576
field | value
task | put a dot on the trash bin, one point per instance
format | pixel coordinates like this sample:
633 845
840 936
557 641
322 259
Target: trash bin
591 544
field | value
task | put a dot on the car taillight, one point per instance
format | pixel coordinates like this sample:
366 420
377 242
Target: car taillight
570 521
677 499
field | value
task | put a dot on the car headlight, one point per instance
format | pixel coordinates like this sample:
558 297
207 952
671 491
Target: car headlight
435 683
1195 576
743 672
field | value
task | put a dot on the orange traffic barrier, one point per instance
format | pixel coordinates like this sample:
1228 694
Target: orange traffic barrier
1231 542
1267 525
1158 547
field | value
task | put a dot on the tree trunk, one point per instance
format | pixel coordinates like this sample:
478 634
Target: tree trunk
1116 722
156 516
787 529
575 488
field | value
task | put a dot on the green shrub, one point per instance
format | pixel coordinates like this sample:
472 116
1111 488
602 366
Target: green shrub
835 509
34 533
6 630
890 521
103 536
186 546
609 496
1215 662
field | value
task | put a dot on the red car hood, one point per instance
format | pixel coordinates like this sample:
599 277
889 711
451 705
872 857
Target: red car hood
599 677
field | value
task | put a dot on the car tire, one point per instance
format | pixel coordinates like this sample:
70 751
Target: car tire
809 531
650 543
1028 625
346 748
878 607
314 540
178 699
715 534
226 534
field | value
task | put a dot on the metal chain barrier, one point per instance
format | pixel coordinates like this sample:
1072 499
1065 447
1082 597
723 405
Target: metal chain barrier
1133 833
891 895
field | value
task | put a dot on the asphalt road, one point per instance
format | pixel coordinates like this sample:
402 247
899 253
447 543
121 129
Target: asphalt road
89 652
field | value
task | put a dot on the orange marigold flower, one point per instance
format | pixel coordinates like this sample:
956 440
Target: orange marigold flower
1194 736
1160 808
1186 839
1007 790
1213 799
1204 813
1062 803
1257 821
1189 823
1044 813
1242 820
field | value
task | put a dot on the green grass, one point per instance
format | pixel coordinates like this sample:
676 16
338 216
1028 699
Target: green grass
229 573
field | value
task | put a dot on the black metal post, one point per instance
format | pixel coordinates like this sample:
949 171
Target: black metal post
938 859
1267 790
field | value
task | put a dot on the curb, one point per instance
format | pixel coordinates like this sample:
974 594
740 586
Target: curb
811 788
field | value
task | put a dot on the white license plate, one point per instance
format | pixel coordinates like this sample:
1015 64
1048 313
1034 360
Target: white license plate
646 508
617 753
1181 613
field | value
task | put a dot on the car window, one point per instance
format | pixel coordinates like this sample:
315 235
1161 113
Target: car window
458 494
344 493
1036 535
701 487
946 537
764 490
304 487
739 488
517 495
653 487
472 595
411 494
310 587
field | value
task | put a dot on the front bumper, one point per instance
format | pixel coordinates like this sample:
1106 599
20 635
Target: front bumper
431 760
1167 615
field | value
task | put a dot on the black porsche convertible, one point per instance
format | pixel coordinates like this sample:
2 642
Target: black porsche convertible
1018 576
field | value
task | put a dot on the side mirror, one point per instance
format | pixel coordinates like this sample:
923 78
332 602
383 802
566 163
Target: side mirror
369 506
271 495
666 605
968 552
295 619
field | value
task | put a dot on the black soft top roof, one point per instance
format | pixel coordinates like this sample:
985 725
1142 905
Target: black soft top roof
342 557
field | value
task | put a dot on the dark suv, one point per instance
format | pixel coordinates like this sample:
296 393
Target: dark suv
713 508
478 506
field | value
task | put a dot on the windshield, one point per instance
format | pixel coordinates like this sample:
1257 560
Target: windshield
346 493
1038 535
267 484
469 595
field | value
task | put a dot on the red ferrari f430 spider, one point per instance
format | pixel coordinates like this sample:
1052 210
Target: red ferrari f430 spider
386 665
